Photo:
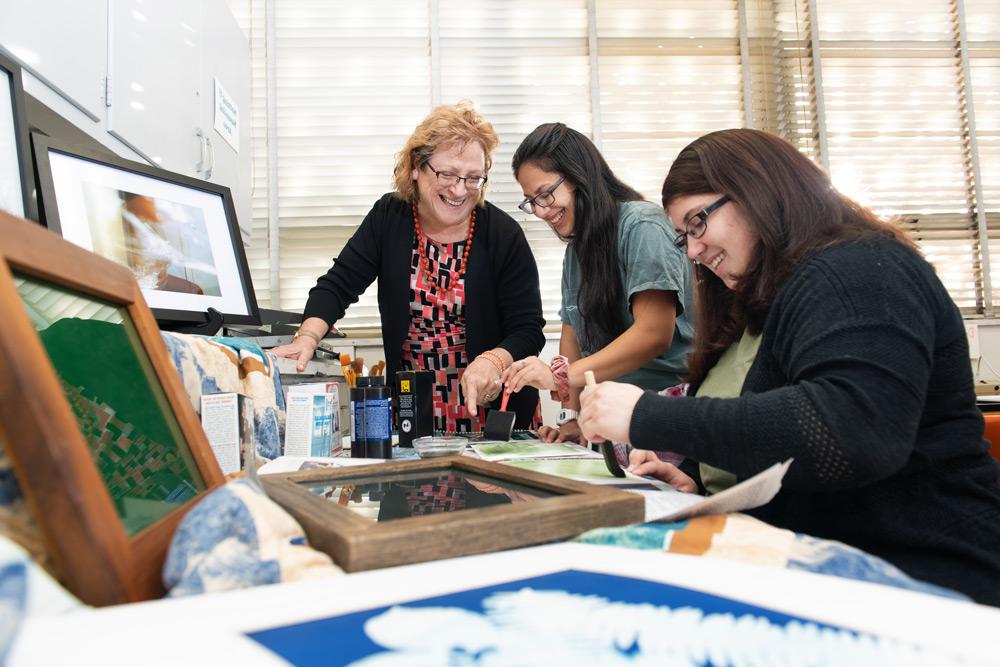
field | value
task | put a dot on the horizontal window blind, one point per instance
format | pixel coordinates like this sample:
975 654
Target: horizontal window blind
353 79
895 125
669 72
982 20
525 63
250 14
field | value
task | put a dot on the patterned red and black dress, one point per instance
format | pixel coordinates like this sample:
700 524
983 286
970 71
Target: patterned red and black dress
436 339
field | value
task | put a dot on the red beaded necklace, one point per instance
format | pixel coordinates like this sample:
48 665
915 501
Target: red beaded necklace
456 276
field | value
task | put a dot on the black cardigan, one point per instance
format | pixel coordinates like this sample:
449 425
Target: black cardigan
863 376
504 306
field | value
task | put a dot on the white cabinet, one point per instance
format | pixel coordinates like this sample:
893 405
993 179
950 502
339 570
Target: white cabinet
153 60
144 71
64 43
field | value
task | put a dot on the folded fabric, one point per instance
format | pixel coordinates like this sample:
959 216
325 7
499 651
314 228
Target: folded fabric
236 537
214 365
743 538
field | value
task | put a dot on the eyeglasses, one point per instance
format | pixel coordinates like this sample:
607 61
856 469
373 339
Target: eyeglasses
696 225
448 179
542 199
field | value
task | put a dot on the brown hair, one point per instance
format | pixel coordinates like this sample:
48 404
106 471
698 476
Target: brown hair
791 207
446 126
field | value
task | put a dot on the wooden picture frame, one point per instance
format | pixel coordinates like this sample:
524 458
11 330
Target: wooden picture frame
107 503
358 543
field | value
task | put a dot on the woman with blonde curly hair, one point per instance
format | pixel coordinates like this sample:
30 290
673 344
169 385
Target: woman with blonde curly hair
458 285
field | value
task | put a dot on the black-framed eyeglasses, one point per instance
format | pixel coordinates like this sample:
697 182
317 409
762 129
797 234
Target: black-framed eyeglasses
696 225
448 179
542 199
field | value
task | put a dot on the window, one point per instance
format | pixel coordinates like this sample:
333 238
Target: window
906 118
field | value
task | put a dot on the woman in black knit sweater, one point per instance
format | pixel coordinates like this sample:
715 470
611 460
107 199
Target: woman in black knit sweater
862 373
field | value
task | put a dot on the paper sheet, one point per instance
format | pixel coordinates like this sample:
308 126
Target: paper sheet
673 505
530 449
294 463
592 470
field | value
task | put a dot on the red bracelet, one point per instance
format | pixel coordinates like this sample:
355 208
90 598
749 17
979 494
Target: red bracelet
560 373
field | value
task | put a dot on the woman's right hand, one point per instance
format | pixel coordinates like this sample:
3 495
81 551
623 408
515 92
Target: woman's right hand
643 462
301 349
528 372
568 432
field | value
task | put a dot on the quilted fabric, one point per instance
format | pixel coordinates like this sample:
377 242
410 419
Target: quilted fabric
236 537
749 540
213 365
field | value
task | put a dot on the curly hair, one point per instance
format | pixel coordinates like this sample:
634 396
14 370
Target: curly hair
446 126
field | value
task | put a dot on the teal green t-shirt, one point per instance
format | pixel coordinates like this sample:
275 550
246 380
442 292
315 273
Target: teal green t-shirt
648 260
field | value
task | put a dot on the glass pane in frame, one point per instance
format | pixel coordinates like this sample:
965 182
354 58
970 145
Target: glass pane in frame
403 495
116 397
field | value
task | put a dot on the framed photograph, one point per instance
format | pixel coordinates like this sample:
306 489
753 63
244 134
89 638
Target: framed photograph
102 437
370 517
16 180
177 235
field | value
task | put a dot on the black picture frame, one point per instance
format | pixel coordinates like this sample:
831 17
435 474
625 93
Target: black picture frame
11 72
87 183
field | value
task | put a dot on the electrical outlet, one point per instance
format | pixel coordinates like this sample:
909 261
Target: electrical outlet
972 331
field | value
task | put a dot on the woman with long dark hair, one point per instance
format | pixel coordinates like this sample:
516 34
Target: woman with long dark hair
861 372
626 287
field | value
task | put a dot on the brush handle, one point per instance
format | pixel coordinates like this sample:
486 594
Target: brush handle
506 397
607 449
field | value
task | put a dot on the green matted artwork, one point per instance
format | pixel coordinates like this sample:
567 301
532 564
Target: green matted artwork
104 442
121 409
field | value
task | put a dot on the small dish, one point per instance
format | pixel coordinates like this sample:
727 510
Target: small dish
431 446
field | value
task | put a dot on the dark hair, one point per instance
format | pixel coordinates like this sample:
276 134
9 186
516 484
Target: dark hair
793 210
553 147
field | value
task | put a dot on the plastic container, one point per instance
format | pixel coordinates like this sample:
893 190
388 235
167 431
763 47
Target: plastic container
430 446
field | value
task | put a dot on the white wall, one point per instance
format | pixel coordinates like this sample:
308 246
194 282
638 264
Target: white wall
984 335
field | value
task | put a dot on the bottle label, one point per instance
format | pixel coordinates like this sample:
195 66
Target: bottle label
378 419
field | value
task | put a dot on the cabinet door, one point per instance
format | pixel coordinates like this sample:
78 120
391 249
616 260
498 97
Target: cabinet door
62 42
154 64
225 56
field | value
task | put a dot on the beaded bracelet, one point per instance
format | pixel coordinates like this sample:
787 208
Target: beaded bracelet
494 359
560 373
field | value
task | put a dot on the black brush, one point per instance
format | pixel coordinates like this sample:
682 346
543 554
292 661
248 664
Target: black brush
607 448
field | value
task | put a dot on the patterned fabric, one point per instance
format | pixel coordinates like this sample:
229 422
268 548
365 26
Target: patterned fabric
743 538
25 589
213 365
236 537
436 339
444 495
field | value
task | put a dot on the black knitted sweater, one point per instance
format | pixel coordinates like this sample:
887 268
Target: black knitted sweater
863 377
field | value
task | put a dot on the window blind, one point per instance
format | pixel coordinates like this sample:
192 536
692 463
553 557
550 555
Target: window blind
886 93
250 15
525 63
669 72
982 20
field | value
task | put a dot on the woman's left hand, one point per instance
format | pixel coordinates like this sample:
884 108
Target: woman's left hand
530 372
480 384
606 411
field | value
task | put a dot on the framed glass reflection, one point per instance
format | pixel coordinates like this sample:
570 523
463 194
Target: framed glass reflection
369 517
104 442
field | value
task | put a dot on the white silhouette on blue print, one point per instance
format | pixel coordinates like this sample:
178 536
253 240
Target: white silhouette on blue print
581 618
